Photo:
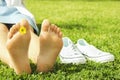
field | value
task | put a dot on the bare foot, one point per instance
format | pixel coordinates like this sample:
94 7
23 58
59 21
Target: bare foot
17 45
50 46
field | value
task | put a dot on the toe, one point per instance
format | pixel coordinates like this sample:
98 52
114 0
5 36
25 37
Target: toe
55 29
25 23
9 35
52 27
17 26
58 30
45 25
12 31
60 34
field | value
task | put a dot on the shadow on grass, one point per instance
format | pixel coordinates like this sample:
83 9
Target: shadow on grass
72 26
68 26
72 68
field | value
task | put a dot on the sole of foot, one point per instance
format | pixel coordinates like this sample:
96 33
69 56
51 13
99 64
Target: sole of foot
50 46
17 45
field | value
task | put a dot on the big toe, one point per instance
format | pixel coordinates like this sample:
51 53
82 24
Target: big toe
25 23
45 25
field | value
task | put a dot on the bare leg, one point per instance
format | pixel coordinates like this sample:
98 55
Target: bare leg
34 47
50 45
4 56
17 45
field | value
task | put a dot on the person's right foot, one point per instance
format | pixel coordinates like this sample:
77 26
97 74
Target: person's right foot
50 46
17 45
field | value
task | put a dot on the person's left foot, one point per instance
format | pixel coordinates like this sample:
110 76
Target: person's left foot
50 46
17 45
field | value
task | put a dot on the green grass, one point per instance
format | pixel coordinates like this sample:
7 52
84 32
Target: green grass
96 21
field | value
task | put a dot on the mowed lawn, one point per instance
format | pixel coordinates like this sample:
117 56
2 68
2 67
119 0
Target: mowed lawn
98 22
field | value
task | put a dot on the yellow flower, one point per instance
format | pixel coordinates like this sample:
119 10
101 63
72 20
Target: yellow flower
22 30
